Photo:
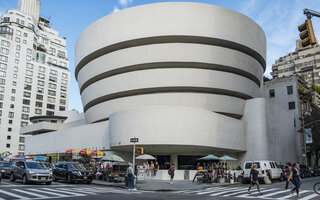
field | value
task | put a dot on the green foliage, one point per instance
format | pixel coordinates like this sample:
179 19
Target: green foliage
316 88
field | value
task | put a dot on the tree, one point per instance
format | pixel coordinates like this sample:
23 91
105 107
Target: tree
315 145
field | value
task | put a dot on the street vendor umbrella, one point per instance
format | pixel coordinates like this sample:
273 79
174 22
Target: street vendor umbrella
113 158
18 157
6 153
85 152
97 153
39 158
209 157
225 157
145 157
71 151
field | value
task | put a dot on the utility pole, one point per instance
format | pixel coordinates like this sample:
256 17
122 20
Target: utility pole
134 140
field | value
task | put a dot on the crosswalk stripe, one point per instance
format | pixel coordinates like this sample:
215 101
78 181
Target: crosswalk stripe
97 190
223 192
46 192
66 192
83 191
13 195
272 194
30 193
235 193
215 190
247 195
309 197
290 195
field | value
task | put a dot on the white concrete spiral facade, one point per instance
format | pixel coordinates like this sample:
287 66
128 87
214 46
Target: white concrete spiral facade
200 52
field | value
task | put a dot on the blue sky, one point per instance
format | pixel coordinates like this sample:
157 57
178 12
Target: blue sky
278 18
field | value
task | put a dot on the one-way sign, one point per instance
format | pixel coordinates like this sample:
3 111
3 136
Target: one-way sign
134 140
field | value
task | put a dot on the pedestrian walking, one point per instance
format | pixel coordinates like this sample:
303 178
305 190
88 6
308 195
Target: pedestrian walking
130 177
254 178
171 173
296 179
289 166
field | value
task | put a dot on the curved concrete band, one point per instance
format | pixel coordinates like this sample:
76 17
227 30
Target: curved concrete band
188 53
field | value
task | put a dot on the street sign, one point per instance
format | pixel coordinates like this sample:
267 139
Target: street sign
134 140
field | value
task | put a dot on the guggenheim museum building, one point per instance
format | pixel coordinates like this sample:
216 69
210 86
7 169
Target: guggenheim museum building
184 78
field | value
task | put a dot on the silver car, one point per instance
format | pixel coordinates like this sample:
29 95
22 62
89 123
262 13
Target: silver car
31 171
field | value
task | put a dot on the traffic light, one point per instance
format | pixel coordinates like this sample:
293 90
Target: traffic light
139 150
307 35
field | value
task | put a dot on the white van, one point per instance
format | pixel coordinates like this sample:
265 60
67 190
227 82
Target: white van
265 168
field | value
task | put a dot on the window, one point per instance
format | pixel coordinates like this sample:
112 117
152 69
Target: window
28 80
63 88
2 81
49 113
26 94
52 86
292 105
14 83
11 115
64 82
64 75
1 89
6 19
21 147
40 90
2 73
12 98
290 89
16 61
17 55
24 116
8 137
40 57
38 111
11 106
29 72
1 104
51 100
51 92
4 50
53 79
13 91
9 129
62 102
5 43
17 31
17 39
25 34
27 87
29 66
42 69
22 124
15 69
1 96
10 121
26 102
50 106
271 93
3 58
21 139
25 109
29 51
62 108
41 83
38 104
28 58
53 72
61 54
18 47
8 145
3 66
24 41
52 50
41 76
63 95
39 97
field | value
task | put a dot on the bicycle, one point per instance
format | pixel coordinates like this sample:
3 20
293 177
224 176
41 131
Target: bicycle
316 188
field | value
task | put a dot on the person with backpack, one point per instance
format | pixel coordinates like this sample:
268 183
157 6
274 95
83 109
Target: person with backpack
254 179
130 177
171 173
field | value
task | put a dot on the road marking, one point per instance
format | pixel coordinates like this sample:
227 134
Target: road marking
66 192
227 191
46 192
309 197
30 193
235 193
290 195
82 191
216 190
13 195
247 195
272 194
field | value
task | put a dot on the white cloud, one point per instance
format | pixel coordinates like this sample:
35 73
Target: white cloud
125 3
115 9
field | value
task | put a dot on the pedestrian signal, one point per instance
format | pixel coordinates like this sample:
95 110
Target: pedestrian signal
139 151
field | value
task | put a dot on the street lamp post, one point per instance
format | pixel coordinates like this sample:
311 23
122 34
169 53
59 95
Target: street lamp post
134 140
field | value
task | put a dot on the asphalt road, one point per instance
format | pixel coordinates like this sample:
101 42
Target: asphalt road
61 190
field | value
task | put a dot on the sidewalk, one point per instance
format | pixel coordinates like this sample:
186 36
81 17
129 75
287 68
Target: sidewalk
158 185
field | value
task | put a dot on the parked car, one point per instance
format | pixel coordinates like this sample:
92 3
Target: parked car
305 171
285 171
31 171
5 169
72 172
265 168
